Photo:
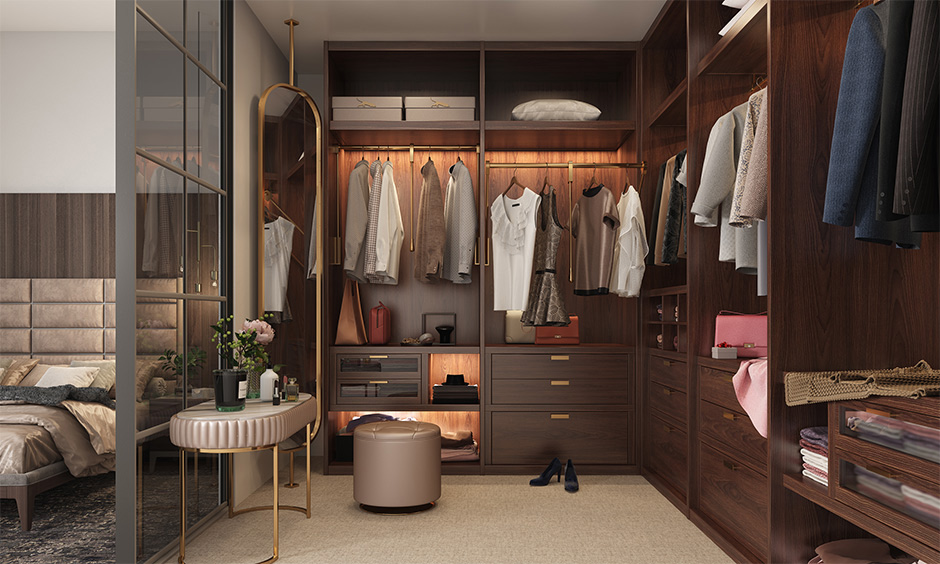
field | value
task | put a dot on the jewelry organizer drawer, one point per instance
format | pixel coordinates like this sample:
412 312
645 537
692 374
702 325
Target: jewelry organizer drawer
671 373
578 391
668 457
669 401
360 391
535 437
715 386
735 496
385 365
735 430
560 366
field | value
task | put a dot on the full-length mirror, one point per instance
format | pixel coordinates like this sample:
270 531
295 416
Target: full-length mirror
288 250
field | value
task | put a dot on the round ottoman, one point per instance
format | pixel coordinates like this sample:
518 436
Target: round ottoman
397 466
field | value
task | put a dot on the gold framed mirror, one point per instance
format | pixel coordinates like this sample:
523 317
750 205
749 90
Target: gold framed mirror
288 230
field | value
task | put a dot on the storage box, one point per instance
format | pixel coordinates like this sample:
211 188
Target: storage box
440 108
367 108
725 352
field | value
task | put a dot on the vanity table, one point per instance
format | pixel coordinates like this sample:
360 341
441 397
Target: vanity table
260 426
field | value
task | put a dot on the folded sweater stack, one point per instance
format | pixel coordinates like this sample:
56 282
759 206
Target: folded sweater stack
814 446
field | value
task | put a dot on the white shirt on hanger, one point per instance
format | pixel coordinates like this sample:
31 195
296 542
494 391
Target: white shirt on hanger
390 232
626 275
513 249
278 240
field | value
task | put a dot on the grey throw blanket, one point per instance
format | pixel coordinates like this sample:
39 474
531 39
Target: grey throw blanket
55 395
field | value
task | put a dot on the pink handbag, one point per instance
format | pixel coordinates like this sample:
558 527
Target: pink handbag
747 332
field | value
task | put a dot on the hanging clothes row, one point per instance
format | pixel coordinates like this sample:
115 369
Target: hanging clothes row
667 230
374 229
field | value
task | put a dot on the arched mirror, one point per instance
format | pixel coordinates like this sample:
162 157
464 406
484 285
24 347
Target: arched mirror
289 180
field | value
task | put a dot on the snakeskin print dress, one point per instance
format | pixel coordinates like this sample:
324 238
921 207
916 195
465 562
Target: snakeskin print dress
545 305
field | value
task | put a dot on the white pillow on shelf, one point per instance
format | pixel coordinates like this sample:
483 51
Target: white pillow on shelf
78 376
555 110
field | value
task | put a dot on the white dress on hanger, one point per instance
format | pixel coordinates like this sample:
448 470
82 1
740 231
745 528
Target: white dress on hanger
278 240
513 249
390 233
626 275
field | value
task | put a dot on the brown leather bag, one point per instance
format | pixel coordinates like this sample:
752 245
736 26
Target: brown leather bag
380 325
351 329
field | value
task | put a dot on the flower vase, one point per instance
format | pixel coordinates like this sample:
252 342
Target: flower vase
254 384
230 389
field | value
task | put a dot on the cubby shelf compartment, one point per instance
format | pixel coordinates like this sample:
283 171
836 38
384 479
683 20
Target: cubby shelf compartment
405 132
743 50
672 111
557 135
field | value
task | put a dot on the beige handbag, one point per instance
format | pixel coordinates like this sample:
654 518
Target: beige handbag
351 329
516 332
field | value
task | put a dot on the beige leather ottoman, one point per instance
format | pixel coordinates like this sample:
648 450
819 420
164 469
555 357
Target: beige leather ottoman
397 465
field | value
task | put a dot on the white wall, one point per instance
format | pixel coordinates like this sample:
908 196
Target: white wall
258 64
57 111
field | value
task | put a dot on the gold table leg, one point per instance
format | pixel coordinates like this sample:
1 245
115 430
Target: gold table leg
182 555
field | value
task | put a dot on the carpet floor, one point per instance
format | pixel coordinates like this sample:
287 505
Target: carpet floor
73 523
479 519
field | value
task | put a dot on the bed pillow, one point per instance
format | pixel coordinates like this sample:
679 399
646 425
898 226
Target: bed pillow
34 375
78 376
5 362
17 371
106 374
555 110
144 371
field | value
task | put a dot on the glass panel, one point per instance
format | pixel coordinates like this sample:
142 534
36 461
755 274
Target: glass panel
159 226
159 101
366 364
201 355
204 32
202 239
888 491
903 436
167 13
378 389
158 494
202 486
203 120
159 334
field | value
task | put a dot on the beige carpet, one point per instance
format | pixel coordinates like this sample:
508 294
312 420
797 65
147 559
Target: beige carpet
478 520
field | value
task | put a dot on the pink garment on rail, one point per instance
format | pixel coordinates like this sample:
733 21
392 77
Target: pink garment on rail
750 386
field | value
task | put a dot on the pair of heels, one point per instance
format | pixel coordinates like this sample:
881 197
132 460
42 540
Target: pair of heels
554 468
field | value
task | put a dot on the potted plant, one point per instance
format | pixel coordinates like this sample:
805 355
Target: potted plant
173 362
243 352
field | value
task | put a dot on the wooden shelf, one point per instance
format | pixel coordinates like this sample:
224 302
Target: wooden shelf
684 289
673 355
677 323
607 348
723 364
392 408
557 135
405 132
743 50
672 112
406 349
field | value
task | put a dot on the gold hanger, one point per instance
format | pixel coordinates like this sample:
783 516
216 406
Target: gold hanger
513 182
593 178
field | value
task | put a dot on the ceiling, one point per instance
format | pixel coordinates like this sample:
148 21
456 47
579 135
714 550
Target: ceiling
449 20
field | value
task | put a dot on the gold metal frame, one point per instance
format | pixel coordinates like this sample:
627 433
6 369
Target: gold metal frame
275 507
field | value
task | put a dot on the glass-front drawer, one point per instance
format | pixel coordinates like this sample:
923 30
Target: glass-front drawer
884 429
892 490
361 391
387 364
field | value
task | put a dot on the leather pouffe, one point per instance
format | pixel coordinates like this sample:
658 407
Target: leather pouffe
397 464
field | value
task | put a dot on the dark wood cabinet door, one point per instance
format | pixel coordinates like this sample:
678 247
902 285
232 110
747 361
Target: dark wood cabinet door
669 402
672 373
669 453
715 386
735 496
735 430
558 391
561 366
535 437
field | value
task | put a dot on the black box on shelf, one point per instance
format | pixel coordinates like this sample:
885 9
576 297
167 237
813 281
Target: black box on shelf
343 447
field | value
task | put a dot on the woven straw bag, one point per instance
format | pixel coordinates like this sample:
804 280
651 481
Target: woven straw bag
815 387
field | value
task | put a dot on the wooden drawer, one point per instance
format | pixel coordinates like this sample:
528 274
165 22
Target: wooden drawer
669 453
735 430
734 496
577 391
535 437
715 386
561 366
672 373
669 401
378 366
378 390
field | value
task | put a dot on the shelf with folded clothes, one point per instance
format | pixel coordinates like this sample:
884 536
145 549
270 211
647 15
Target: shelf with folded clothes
902 429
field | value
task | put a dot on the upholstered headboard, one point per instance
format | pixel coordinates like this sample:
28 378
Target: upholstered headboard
58 320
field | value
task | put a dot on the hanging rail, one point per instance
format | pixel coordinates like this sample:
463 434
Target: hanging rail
337 238
570 165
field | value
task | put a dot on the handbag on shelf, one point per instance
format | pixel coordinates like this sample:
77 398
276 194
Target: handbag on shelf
380 325
516 332
747 332
351 329
569 335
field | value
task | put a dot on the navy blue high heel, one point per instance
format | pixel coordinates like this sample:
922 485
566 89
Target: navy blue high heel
571 478
554 468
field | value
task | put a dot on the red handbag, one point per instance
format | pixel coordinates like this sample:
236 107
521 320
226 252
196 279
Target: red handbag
380 325
559 335
747 332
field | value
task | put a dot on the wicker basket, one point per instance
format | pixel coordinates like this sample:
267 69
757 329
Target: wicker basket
817 387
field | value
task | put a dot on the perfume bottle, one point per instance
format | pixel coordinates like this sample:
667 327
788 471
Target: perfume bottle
276 394
292 390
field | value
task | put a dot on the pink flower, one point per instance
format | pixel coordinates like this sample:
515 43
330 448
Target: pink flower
264 331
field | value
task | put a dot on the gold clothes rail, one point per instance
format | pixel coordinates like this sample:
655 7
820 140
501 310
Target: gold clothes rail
570 165
337 238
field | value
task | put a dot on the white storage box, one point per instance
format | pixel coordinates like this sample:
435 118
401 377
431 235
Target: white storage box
367 108
440 108
725 352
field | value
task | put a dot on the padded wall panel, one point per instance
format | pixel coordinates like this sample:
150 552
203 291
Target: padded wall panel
65 359
68 316
14 341
109 341
110 315
110 294
157 316
14 315
78 341
14 290
68 290
155 341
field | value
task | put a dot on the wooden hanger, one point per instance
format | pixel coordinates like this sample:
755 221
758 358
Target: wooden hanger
513 182
760 82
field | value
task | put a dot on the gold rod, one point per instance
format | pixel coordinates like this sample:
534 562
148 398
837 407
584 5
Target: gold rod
409 148
568 165
291 23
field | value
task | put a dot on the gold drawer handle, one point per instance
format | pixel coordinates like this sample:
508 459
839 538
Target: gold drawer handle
668 392
561 383
560 416
730 466
728 378
667 362
730 416
668 429
378 381
882 472
879 412
378 356
560 357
